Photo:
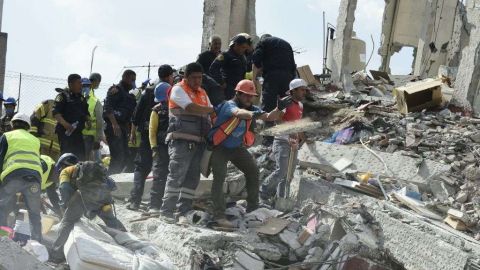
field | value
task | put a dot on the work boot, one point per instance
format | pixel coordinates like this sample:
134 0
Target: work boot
167 218
224 223
133 206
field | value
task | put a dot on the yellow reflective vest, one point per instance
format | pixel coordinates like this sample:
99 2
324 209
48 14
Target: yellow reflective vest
92 103
23 153
45 174
48 138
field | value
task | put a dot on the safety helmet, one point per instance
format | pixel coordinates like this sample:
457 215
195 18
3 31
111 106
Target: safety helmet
22 117
246 87
240 39
86 81
296 83
67 159
10 101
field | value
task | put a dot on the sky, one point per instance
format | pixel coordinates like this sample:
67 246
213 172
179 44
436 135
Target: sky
54 38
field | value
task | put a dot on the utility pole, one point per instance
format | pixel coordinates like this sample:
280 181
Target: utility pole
93 55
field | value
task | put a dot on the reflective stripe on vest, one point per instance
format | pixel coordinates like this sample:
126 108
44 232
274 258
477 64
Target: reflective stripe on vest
50 144
227 128
92 102
23 153
50 163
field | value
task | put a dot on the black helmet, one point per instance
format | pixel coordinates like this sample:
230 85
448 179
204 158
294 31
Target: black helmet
67 159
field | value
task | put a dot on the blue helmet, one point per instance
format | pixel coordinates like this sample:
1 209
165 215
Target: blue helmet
161 91
10 101
67 159
86 81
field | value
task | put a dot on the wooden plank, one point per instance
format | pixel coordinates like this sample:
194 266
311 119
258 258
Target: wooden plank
456 224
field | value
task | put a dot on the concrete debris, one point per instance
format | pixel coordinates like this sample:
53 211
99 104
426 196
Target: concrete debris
14 257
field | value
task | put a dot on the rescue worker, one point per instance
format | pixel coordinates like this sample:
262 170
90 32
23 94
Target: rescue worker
273 59
117 112
157 133
21 172
49 183
5 122
274 184
66 160
86 190
230 66
189 124
141 121
71 112
93 131
207 57
43 127
232 133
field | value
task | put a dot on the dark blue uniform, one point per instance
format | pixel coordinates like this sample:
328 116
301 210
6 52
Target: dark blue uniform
275 56
122 104
229 68
74 109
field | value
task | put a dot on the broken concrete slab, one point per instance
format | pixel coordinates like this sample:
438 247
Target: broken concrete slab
14 257
402 167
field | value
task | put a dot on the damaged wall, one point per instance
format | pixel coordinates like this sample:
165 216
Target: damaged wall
466 93
227 18
418 24
341 48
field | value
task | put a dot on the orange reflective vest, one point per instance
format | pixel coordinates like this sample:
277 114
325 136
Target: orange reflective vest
226 129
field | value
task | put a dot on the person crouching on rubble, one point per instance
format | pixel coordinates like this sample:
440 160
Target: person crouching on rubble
274 184
232 133
85 190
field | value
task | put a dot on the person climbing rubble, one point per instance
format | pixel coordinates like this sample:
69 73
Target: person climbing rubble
231 135
189 123
274 184
86 190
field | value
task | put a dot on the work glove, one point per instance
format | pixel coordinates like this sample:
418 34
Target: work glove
283 103
257 114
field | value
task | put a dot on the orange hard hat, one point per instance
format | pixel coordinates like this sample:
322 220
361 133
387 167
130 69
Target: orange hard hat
247 87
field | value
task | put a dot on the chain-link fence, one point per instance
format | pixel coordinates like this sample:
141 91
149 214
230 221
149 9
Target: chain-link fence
31 90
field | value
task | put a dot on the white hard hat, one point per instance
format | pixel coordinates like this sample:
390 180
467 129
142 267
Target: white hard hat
21 117
296 83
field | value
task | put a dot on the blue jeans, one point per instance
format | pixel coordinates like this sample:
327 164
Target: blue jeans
183 176
274 184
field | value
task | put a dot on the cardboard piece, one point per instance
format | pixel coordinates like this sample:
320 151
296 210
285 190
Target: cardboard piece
419 95
305 73
273 226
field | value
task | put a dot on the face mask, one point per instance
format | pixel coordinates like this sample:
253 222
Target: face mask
86 91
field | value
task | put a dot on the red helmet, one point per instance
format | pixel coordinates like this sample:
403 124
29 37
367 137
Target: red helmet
247 87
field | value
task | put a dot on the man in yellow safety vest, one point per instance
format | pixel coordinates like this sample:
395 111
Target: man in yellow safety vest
93 131
43 127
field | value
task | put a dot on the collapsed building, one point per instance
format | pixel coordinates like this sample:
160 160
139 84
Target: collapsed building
388 180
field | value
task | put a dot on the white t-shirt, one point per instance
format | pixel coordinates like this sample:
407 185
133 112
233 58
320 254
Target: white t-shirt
181 98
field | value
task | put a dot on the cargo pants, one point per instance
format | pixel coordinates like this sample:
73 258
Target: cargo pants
160 174
143 166
30 189
244 161
274 184
183 176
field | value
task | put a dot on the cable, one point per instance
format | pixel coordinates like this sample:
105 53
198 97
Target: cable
384 164
371 54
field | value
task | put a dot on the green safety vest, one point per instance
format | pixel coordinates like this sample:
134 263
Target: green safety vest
50 163
23 153
92 102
